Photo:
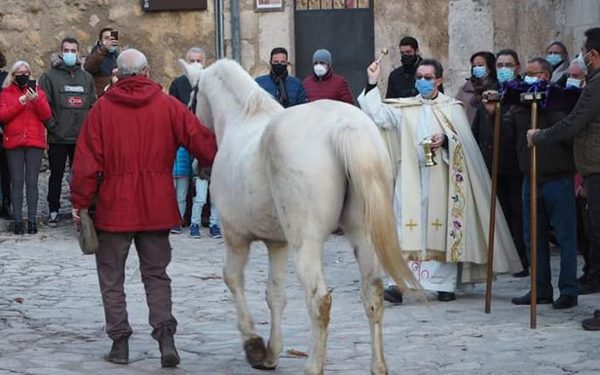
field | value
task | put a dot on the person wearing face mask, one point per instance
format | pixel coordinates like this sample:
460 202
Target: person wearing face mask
576 75
583 125
556 203
286 89
507 66
401 81
103 59
71 94
558 57
23 110
441 208
324 83
483 78
136 197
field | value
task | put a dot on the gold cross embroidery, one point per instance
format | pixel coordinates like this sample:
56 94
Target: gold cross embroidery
411 225
437 224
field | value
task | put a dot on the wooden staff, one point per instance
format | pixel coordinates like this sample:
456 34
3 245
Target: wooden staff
533 219
493 204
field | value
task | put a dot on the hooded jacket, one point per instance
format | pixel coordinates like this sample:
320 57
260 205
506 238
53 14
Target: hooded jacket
23 124
71 94
125 154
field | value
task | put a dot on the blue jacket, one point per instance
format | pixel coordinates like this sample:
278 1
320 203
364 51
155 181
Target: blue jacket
295 89
183 163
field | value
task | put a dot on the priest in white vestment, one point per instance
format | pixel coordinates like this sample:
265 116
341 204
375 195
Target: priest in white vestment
442 210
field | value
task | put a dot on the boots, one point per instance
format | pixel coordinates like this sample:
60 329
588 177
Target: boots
119 352
32 227
168 353
18 229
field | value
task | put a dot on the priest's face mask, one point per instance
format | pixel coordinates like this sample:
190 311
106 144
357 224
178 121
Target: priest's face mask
427 82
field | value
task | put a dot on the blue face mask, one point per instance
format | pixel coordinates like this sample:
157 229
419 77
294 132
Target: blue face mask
505 74
70 59
554 58
479 72
424 87
573 82
531 80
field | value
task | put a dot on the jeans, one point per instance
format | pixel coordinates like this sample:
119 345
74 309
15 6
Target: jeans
556 205
24 164
182 185
58 154
200 200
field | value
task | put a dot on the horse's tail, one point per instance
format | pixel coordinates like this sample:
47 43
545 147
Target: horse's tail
364 157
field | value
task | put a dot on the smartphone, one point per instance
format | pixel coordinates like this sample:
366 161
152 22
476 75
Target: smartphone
115 34
32 84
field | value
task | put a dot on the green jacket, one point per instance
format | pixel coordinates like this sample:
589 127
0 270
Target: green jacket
71 93
583 124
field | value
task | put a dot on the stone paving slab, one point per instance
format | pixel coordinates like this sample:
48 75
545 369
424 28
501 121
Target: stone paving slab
51 319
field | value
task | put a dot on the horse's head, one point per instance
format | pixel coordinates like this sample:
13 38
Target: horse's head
195 76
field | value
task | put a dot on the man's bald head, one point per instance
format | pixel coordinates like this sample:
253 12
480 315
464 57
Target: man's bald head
132 62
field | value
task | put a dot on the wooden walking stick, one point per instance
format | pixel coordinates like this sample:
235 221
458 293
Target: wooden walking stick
494 193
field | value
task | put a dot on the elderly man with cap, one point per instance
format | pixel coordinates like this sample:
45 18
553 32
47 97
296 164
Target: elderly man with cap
324 83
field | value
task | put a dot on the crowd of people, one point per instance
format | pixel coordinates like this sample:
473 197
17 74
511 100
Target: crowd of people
441 147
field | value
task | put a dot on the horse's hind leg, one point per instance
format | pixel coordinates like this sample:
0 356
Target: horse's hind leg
238 251
278 256
310 271
371 285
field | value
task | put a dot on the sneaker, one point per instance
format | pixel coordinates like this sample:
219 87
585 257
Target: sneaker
53 219
215 231
195 231
176 230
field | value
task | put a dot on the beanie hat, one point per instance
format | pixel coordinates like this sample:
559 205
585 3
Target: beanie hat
322 55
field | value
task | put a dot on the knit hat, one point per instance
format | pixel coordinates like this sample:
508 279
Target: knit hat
322 55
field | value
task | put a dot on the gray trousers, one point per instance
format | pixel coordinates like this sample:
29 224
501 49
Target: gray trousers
154 252
24 165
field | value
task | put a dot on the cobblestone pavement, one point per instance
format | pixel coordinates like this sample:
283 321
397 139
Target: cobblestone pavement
51 319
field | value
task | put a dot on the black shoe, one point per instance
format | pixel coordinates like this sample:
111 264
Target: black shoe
565 301
119 352
31 227
526 299
589 287
18 229
5 211
168 354
523 273
392 294
446 296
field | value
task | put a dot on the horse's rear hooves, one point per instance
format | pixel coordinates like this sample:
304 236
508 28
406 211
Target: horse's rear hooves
256 353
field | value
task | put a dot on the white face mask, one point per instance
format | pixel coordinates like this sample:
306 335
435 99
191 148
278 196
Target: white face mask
320 70
196 66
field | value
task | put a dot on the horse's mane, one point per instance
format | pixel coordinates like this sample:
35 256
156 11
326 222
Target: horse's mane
239 84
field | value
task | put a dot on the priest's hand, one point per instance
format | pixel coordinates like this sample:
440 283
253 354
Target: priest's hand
373 72
437 140
530 134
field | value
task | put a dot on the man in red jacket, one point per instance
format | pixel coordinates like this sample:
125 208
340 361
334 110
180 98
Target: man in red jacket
324 83
124 159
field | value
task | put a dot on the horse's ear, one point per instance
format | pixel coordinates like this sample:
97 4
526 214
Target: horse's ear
193 75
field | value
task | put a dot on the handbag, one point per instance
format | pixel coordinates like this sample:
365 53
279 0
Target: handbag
88 239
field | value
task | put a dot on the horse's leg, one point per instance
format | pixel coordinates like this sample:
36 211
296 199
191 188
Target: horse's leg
238 251
318 300
371 282
278 256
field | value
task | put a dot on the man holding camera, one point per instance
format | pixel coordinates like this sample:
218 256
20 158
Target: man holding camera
103 58
71 93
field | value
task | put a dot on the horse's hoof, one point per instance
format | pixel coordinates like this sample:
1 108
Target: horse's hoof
256 352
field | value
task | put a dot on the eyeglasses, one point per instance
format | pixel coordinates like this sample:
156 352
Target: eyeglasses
426 78
505 65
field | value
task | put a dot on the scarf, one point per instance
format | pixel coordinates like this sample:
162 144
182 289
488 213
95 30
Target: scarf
280 81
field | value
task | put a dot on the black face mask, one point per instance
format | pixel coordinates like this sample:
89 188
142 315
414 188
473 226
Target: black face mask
278 69
22 80
408 60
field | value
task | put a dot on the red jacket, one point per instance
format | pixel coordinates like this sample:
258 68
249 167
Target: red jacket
23 124
330 86
125 153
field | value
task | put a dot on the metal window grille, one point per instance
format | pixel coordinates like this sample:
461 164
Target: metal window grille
331 4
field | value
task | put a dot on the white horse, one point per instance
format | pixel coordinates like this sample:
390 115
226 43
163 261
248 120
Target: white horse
288 177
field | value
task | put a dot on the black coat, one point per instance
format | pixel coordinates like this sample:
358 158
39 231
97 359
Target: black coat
181 89
401 82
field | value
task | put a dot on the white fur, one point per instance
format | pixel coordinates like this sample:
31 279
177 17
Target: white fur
289 178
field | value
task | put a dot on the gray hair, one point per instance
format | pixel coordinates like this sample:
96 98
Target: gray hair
131 62
195 50
13 69
577 62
